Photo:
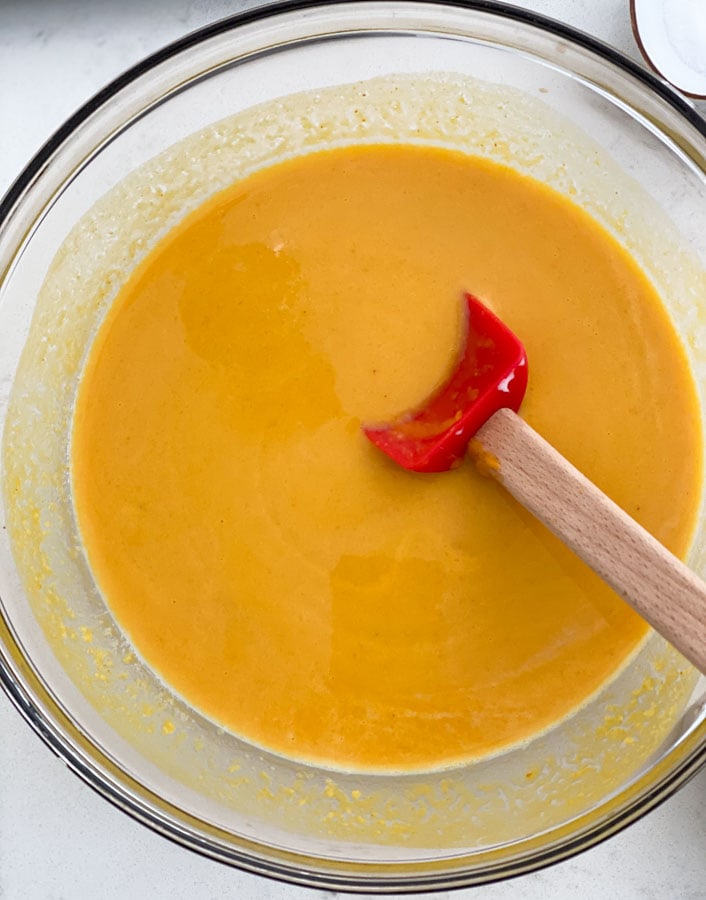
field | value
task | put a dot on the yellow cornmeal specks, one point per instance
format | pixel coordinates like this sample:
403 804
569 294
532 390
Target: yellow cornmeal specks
540 143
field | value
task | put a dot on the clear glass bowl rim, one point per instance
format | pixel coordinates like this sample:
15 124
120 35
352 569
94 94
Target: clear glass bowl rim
38 708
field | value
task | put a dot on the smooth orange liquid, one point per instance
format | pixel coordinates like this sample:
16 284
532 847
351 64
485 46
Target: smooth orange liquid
278 571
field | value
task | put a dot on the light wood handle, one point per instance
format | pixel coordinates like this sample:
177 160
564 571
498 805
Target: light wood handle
652 580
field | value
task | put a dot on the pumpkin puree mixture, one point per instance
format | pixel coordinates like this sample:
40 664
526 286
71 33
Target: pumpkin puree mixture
283 575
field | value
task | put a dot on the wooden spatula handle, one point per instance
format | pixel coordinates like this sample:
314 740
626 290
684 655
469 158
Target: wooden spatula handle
652 580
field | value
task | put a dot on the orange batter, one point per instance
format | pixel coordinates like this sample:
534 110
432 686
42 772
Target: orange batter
274 567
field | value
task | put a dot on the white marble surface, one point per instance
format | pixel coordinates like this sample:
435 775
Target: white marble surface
57 838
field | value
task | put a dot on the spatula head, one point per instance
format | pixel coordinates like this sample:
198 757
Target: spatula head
491 374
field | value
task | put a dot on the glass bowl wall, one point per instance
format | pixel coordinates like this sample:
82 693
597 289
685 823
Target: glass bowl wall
486 78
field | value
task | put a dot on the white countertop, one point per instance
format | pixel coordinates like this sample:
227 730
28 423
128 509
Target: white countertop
58 839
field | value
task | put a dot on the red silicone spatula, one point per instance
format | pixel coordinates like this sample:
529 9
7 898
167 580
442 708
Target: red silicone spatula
480 401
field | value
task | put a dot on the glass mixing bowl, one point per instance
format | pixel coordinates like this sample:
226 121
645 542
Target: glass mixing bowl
244 92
